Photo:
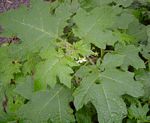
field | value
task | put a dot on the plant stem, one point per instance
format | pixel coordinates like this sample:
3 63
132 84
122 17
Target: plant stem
102 53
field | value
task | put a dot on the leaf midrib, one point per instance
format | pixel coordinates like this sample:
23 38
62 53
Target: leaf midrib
33 27
106 99
94 24
44 106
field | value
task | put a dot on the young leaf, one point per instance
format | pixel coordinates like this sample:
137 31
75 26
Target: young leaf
139 113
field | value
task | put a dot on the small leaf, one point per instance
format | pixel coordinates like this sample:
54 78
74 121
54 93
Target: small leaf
139 113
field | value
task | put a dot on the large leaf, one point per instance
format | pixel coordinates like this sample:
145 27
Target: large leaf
36 26
53 105
92 26
104 90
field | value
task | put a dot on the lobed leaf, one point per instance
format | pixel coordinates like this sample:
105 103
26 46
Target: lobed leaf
52 104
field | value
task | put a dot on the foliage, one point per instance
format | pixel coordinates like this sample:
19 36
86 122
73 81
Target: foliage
83 61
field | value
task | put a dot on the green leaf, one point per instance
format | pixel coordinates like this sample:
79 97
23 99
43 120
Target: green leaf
8 66
118 79
112 60
146 48
131 57
12 103
125 38
145 51
84 115
137 30
92 26
104 90
31 61
131 121
144 78
53 104
124 3
139 112
44 26
88 4
48 71
25 87
123 21
80 47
